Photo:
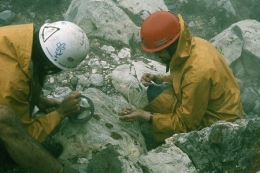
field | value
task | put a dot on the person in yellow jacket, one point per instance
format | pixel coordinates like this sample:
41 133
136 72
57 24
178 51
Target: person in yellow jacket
200 88
26 58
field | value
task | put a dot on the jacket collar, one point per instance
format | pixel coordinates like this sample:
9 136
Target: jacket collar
185 44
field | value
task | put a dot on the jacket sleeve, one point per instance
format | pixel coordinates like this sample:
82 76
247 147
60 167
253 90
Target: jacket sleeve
15 96
166 78
183 114
40 127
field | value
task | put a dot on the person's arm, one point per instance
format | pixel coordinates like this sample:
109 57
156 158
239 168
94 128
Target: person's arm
129 115
40 127
190 109
43 125
47 105
147 78
166 78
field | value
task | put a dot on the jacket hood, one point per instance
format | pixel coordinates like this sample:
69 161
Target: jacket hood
185 44
16 42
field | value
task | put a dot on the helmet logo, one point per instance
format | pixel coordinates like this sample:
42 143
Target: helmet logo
83 38
59 49
48 31
159 43
70 59
145 43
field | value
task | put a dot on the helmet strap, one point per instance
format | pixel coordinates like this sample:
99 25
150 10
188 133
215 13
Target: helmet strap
172 48
40 60
38 54
171 51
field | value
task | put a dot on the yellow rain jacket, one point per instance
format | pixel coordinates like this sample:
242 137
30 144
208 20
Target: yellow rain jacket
203 91
16 79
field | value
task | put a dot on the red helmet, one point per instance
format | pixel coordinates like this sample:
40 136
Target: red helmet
159 30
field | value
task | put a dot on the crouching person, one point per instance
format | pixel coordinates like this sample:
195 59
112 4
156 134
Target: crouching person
26 58
200 88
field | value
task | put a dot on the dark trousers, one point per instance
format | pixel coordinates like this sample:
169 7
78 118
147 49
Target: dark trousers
153 92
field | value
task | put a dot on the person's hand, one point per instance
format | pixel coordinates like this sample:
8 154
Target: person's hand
134 115
147 78
47 105
125 111
70 105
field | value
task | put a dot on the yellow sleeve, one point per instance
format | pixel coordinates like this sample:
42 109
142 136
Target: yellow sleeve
40 127
167 78
179 115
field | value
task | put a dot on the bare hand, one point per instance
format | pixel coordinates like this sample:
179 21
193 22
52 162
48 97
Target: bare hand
134 115
126 111
47 105
70 105
147 78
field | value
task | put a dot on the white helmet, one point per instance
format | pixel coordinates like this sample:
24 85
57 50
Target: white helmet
64 43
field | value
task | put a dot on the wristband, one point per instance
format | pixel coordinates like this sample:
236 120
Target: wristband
151 118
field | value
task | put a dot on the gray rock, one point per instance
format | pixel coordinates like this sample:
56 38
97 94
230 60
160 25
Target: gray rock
241 37
105 21
6 17
81 141
96 80
125 79
209 17
166 158
224 147
112 160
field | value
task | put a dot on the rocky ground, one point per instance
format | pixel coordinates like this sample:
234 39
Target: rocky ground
34 11
40 11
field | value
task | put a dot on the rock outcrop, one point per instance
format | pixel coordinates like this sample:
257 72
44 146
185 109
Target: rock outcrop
110 77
